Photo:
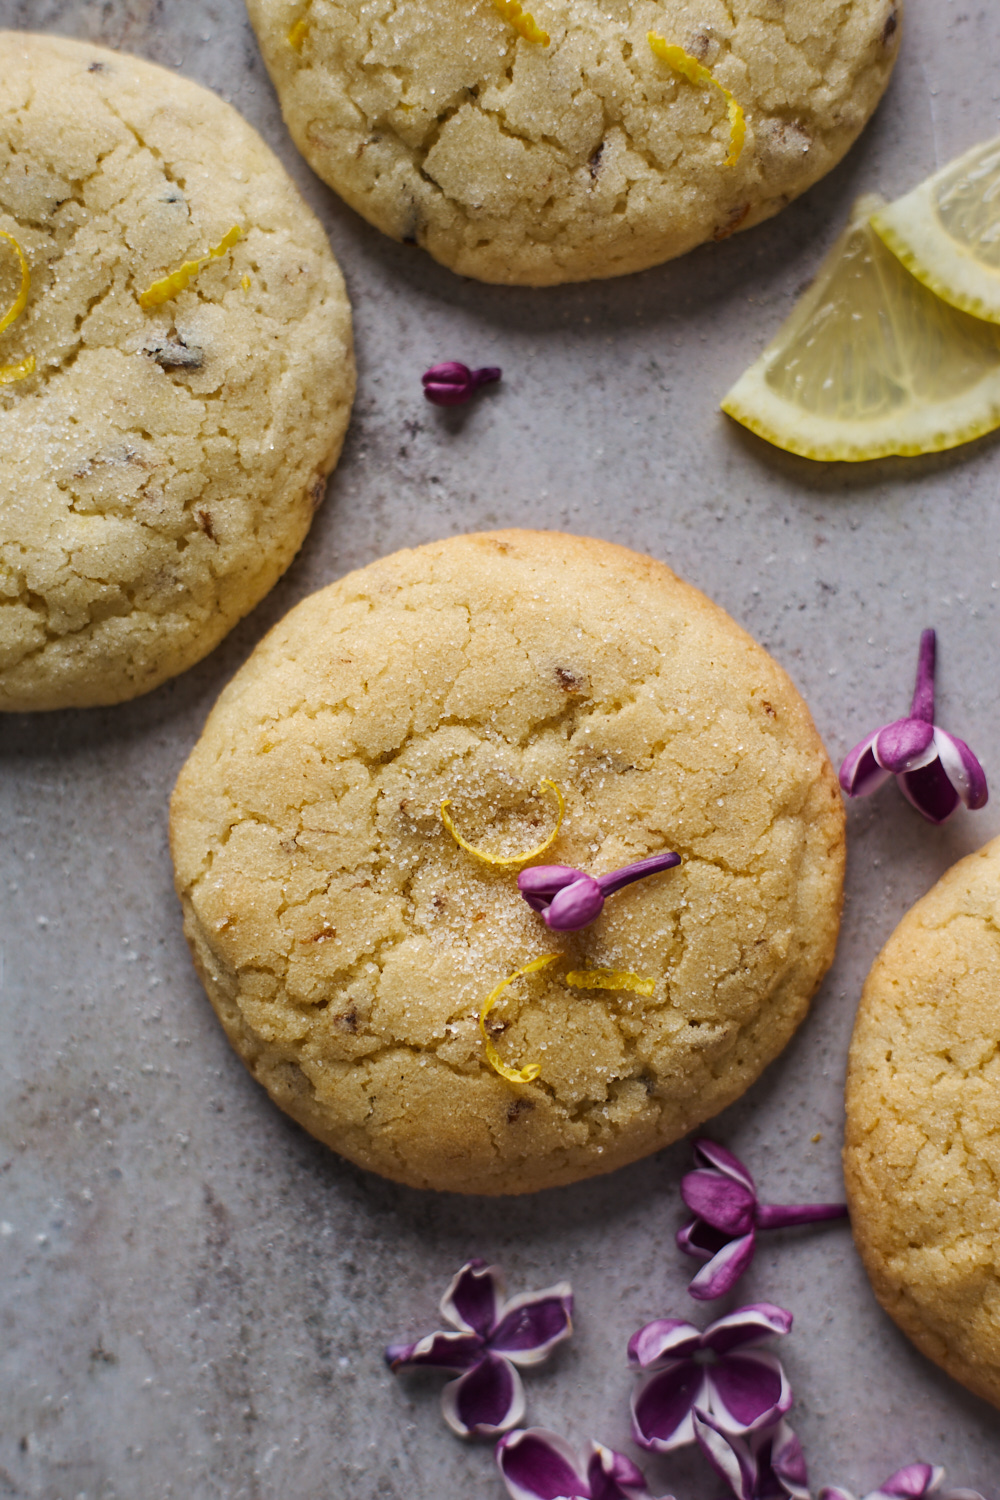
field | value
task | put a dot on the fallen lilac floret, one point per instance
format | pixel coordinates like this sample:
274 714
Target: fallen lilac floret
935 771
493 1336
767 1465
568 899
722 1195
913 1482
721 1372
538 1465
452 383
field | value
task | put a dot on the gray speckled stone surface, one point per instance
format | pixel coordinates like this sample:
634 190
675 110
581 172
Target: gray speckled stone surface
194 1294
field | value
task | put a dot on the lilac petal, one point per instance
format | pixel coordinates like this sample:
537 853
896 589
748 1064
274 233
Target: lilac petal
538 1465
473 1297
612 1476
747 1325
730 1457
542 882
662 1406
531 1325
962 769
575 905
748 1390
700 1240
929 790
723 1270
914 1481
708 1154
861 774
788 1463
719 1200
663 1341
904 745
486 1401
834 1492
437 1351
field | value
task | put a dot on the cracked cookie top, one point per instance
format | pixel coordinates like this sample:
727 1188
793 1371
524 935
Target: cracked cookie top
517 162
922 1152
160 466
348 942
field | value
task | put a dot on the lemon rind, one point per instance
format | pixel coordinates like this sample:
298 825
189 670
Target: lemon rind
911 229
826 440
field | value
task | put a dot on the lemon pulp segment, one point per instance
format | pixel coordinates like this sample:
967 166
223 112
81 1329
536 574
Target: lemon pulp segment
871 363
947 231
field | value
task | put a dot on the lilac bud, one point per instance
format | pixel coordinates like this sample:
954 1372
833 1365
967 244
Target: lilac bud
539 884
575 906
568 899
452 383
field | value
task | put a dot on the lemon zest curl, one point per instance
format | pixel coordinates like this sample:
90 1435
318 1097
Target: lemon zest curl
10 373
522 23
682 62
609 979
530 1071
505 859
170 286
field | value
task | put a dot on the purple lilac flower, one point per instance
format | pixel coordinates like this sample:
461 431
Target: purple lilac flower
494 1336
767 1465
568 899
913 1482
727 1215
539 1465
721 1372
934 771
452 383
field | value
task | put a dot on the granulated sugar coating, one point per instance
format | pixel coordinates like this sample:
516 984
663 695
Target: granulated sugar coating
348 943
161 467
589 157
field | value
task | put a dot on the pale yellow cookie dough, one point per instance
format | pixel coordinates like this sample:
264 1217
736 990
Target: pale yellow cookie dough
922 1155
160 469
514 162
348 943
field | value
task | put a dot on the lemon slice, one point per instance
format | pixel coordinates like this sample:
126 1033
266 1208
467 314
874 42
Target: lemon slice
947 231
870 362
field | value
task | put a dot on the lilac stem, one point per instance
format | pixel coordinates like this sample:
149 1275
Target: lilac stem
922 706
485 376
618 878
785 1215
